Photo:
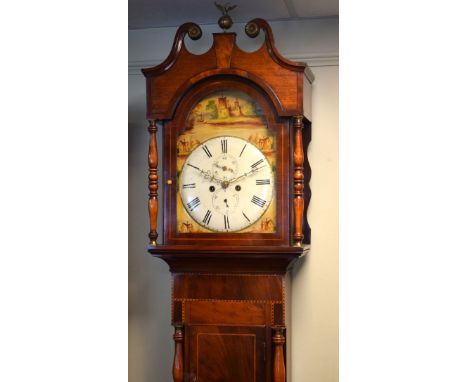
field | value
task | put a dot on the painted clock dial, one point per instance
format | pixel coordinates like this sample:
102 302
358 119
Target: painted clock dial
226 184
225 133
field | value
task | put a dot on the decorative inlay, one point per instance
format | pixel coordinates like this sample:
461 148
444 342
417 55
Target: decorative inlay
228 287
229 274
278 314
178 311
230 301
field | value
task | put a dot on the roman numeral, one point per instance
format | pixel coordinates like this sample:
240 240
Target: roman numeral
256 164
224 146
194 203
207 217
207 151
189 185
226 222
243 148
195 167
258 201
260 182
245 216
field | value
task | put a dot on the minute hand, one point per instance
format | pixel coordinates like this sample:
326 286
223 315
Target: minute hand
246 174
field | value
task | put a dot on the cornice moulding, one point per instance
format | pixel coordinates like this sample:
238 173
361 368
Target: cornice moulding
312 60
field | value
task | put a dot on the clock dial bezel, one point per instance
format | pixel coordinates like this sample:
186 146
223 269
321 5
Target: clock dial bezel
282 184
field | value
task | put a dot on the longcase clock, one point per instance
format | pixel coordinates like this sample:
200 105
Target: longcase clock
235 126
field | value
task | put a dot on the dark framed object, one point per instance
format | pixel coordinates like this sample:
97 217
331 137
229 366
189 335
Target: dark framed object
229 285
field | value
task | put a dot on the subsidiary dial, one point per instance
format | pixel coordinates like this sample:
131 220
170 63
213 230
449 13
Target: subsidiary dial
225 201
225 166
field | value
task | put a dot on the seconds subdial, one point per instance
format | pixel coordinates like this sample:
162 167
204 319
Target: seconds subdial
225 201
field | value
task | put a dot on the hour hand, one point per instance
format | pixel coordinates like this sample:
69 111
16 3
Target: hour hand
206 174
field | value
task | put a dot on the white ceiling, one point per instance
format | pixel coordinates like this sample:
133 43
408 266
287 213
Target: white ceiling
165 13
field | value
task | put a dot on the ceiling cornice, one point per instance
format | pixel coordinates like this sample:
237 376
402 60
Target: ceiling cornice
330 17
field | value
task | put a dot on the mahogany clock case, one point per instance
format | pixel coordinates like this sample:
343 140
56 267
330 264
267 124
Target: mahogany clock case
229 289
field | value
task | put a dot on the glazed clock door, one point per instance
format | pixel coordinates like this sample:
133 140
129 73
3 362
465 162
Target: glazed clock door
229 170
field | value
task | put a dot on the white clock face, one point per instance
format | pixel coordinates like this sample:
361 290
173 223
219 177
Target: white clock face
226 184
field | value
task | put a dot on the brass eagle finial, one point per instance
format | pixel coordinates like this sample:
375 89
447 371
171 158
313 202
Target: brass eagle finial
225 8
225 21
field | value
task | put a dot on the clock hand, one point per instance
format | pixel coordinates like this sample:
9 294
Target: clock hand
206 174
254 170
211 177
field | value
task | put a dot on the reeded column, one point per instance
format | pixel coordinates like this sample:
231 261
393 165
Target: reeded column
279 369
153 181
298 180
178 365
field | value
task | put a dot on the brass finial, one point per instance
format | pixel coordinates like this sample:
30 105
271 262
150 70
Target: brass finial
225 21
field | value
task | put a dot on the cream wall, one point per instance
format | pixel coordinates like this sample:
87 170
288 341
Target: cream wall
313 335
314 315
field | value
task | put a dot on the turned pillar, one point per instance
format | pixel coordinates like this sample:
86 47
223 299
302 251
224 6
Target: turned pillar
279 368
298 181
153 182
178 365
